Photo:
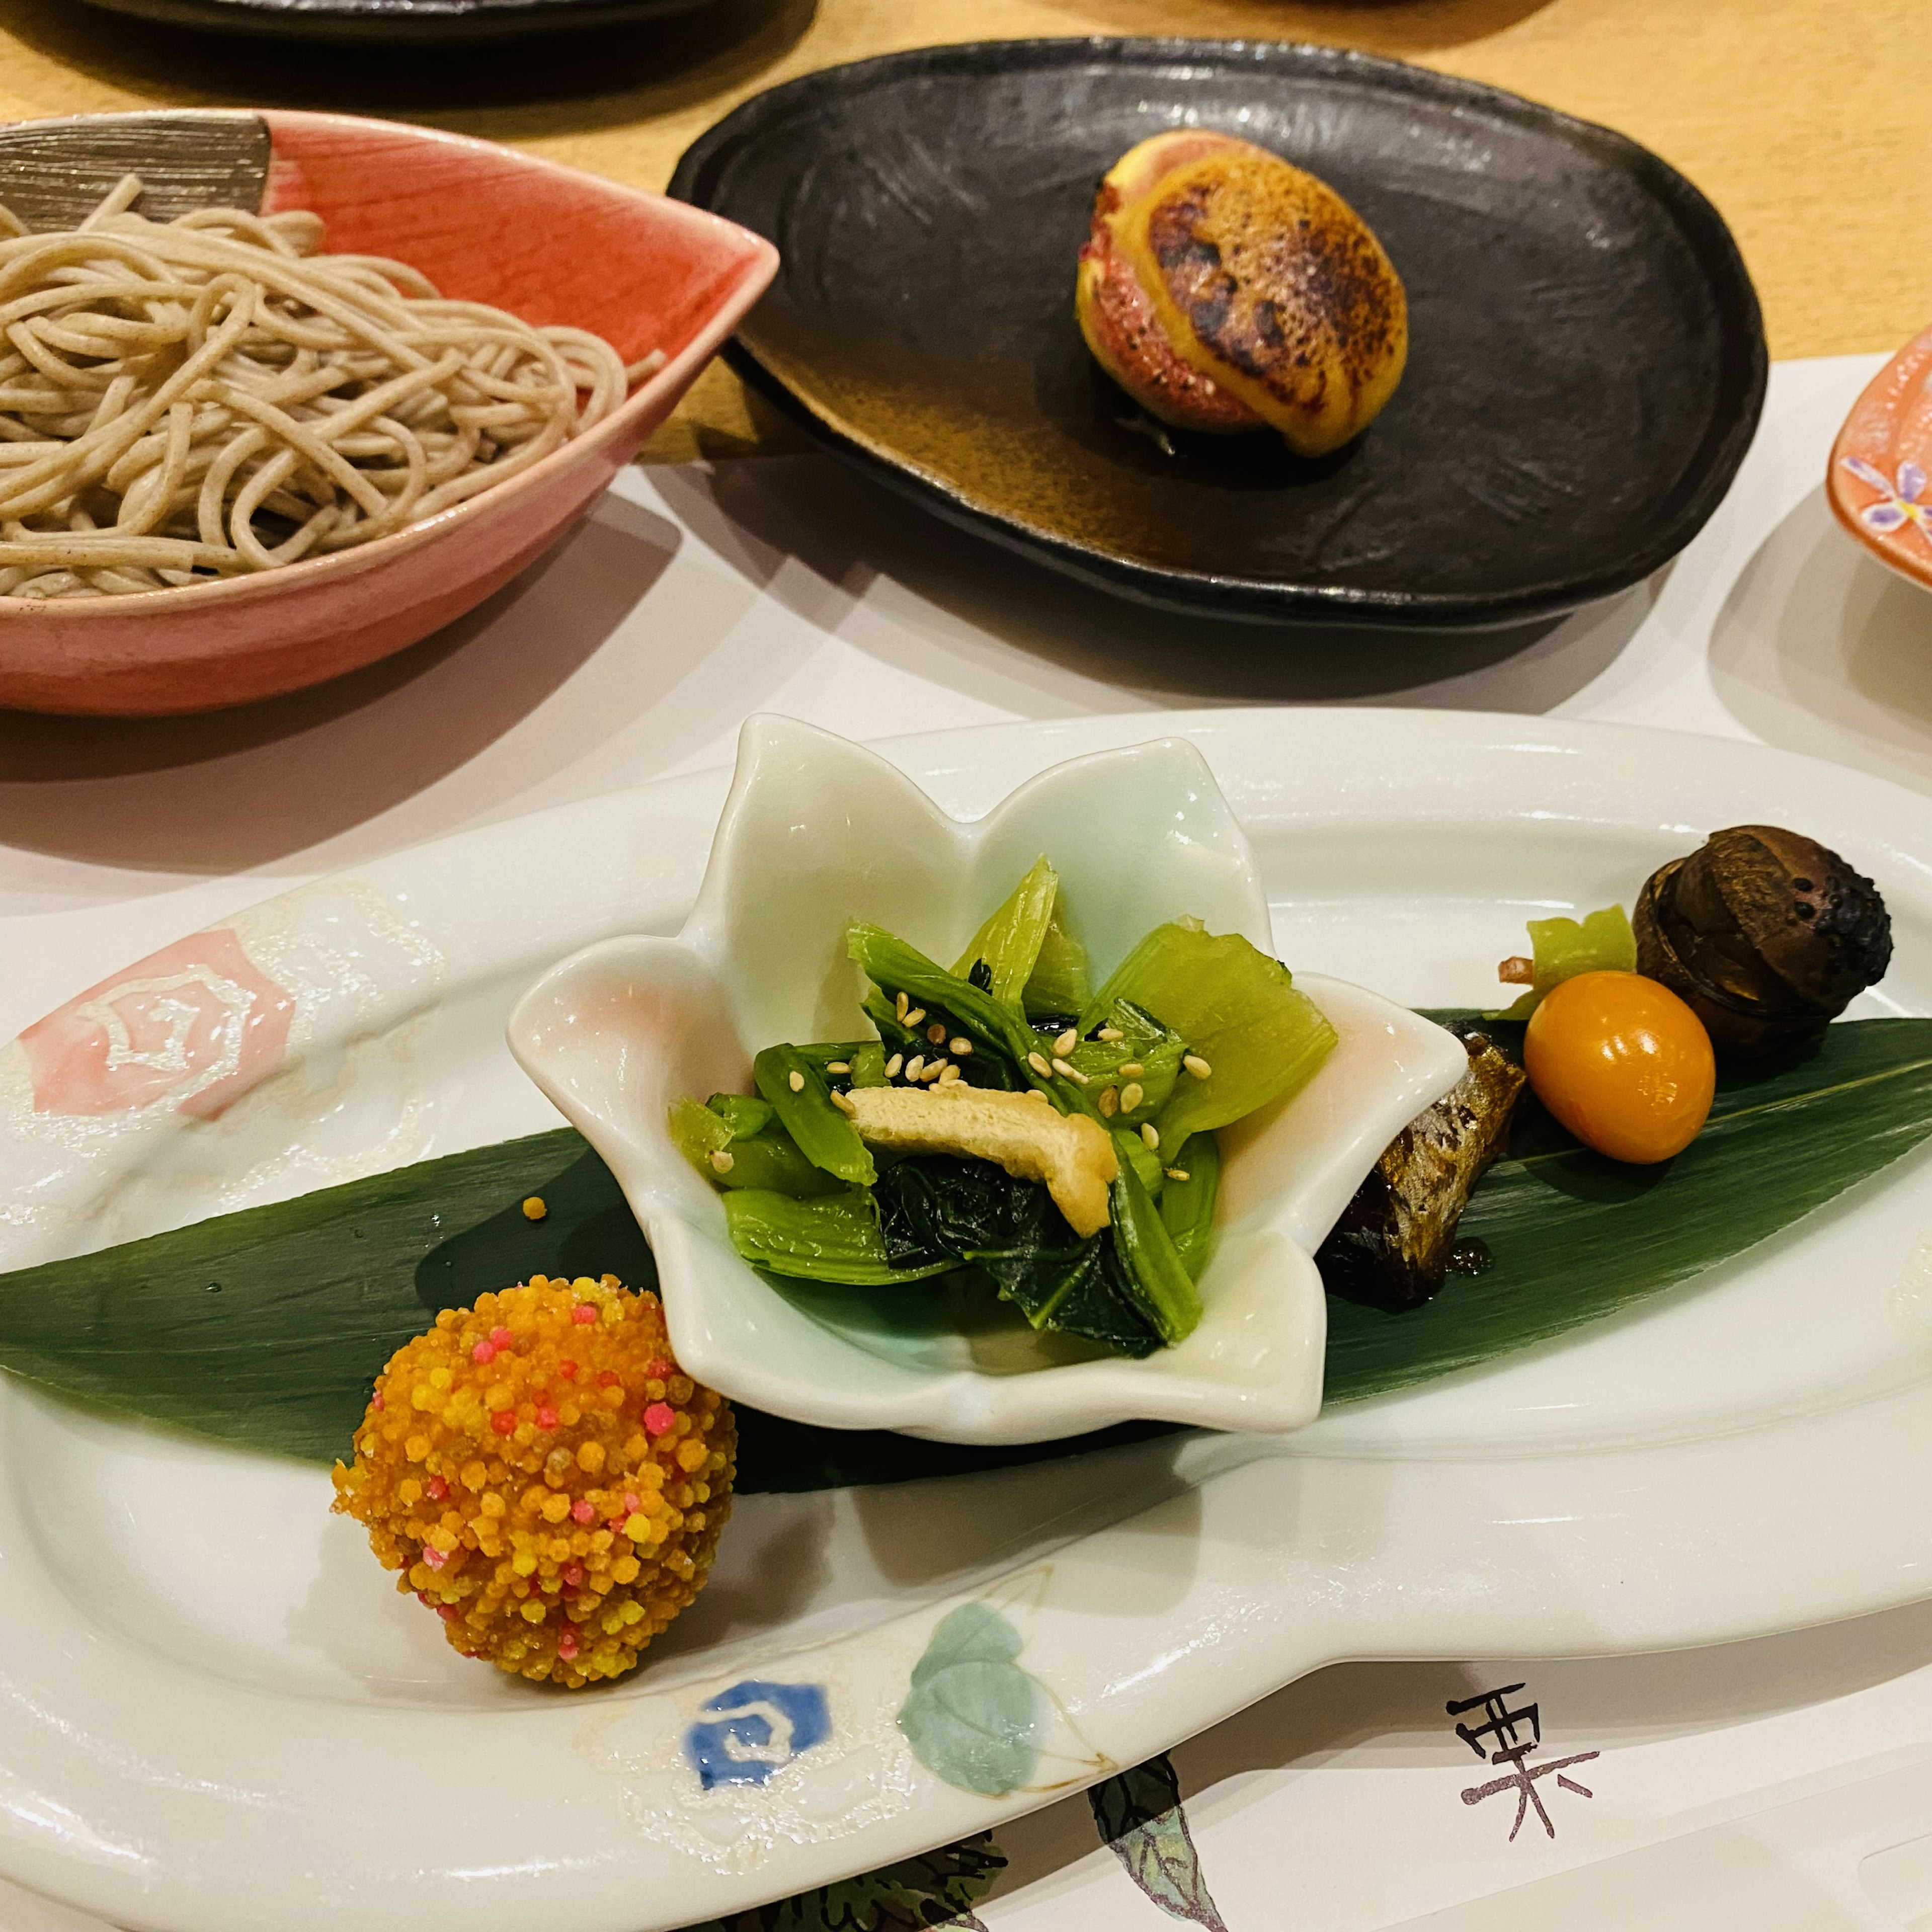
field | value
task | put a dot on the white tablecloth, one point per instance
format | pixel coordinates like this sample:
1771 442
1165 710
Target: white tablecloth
1783 1784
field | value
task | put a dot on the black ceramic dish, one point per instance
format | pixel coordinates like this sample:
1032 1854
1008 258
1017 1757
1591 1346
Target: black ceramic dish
432 22
1586 357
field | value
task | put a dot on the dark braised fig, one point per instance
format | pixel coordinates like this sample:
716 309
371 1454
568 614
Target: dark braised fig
1765 934
1397 1238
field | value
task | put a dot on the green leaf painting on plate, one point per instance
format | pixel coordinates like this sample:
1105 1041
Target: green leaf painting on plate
972 1716
265 1329
1139 1817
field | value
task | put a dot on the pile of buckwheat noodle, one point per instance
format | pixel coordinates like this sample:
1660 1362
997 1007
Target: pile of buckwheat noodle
212 396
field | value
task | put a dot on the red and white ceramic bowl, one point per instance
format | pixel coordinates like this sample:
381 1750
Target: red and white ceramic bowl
483 223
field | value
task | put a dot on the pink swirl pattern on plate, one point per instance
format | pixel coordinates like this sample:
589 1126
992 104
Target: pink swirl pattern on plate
1876 484
189 1029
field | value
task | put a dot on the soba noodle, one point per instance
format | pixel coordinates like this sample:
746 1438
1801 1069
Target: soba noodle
211 396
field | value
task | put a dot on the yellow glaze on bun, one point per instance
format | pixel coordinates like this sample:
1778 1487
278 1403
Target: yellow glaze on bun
1226 290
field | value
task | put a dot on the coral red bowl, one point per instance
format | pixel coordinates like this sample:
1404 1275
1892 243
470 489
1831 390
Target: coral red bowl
1877 484
483 223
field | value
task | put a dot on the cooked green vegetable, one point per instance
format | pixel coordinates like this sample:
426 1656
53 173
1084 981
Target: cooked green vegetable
1059 984
962 1184
835 1238
1164 1288
1152 1051
1602 942
698 1133
743 1113
1251 1036
1187 1202
897 968
1008 945
798 1094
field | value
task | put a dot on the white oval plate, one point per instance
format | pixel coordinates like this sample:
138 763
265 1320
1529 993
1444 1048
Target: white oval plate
216 1714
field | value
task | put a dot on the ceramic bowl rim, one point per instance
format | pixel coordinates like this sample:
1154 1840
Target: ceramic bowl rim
746 283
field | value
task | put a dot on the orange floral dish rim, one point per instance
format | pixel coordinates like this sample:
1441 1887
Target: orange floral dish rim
1877 483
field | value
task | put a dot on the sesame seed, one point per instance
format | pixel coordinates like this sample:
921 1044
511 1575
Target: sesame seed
1067 1071
1067 1041
1110 1099
1038 1063
838 1067
915 1067
795 1080
1151 1135
843 1102
913 1018
722 1162
1176 1174
893 1065
1196 1065
1131 1069
1039 1093
948 1075
961 1047
1131 1096
1109 1033
933 1071
899 1005
935 1033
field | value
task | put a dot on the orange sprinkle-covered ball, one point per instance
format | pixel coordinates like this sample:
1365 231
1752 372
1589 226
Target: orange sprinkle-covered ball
544 1477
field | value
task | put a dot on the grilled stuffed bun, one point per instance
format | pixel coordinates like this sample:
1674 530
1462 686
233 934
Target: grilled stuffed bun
1227 291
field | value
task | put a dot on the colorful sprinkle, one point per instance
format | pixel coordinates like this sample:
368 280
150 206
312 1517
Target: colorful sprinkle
660 1418
534 1209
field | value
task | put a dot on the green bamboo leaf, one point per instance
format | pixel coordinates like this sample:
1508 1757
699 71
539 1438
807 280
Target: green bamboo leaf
265 1329
1574 1237
972 1716
1140 1820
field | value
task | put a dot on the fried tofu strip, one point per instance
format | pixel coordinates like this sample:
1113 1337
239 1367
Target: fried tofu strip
1072 1155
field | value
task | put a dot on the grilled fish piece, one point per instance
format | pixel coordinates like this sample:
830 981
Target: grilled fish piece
1391 1247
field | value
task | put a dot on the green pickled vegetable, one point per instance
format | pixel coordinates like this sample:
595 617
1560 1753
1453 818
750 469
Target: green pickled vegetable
1060 982
754 1150
743 1113
1164 1288
898 968
835 1238
1187 1207
697 1133
1237 1010
824 1136
772 1160
1601 942
1008 945
1145 1045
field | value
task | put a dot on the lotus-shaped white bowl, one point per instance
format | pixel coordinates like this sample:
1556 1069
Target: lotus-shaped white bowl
818 831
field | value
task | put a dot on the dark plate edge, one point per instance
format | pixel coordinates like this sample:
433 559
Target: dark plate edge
1257 601
394 21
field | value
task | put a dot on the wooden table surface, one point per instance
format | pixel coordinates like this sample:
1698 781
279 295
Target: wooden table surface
1805 121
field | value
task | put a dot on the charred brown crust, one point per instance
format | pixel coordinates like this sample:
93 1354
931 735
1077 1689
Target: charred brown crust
1766 934
1272 301
1226 290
